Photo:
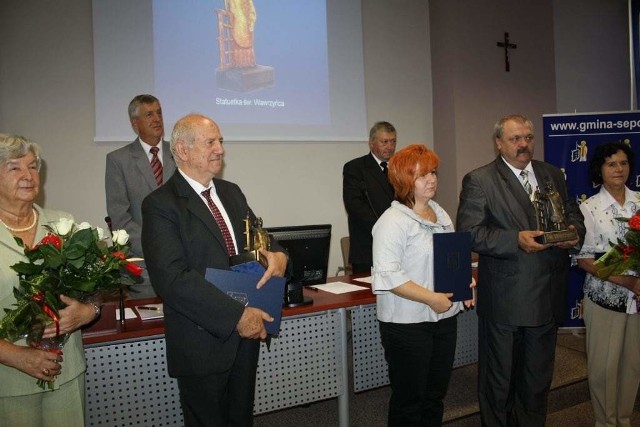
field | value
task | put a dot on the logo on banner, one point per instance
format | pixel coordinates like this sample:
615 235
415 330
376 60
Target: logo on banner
576 310
570 141
581 198
579 154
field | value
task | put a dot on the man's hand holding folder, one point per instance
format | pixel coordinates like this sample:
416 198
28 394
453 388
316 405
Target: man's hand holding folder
277 265
263 305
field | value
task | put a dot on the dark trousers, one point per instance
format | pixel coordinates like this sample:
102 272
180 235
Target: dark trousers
420 358
515 372
222 399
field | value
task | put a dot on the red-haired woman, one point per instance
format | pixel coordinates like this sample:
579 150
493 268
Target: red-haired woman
418 327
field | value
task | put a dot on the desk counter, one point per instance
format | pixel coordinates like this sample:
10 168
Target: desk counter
108 329
127 377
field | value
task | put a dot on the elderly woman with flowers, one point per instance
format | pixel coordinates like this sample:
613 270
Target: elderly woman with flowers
611 303
22 402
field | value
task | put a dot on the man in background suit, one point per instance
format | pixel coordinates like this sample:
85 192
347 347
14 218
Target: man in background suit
129 175
367 193
212 339
521 283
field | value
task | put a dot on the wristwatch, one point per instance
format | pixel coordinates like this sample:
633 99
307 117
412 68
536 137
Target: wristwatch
97 308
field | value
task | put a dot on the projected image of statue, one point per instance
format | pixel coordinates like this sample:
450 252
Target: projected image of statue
243 20
238 70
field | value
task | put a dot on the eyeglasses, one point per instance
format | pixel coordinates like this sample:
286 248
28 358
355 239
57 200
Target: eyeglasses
516 139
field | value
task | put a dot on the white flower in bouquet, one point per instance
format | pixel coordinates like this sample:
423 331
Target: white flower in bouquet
83 225
120 237
63 226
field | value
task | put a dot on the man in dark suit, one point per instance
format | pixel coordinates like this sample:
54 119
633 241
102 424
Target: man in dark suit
129 175
366 193
212 340
521 283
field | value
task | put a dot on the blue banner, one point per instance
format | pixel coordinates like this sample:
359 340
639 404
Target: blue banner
569 143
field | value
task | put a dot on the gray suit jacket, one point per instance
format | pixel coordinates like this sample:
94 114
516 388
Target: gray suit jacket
128 180
514 287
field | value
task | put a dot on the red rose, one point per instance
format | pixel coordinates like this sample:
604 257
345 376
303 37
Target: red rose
53 240
627 251
119 255
634 222
134 269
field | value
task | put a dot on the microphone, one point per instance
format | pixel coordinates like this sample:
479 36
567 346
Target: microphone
363 188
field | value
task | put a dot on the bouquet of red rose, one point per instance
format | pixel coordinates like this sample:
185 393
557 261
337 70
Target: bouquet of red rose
624 256
75 260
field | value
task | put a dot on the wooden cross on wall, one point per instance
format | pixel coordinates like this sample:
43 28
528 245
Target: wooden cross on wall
506 45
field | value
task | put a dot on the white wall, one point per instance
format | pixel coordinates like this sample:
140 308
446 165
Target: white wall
592 55
479 90
46 94
571 55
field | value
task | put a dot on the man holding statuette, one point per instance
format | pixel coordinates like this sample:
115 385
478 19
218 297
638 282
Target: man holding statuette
191 223
521 282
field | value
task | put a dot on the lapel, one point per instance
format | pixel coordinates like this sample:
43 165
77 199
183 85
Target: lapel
196 206
168 164
545 180
236 210
7 240
522 210
372 168
141 163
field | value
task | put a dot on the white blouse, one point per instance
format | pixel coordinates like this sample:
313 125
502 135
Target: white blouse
403 251
600 212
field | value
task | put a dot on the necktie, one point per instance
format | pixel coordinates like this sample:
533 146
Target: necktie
384 167
156 166
226 234
524 177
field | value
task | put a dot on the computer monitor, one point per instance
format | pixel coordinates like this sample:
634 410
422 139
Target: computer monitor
308 248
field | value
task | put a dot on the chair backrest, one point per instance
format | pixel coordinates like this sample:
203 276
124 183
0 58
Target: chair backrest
107 219
344 245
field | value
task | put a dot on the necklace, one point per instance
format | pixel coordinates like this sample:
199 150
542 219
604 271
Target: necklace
21 230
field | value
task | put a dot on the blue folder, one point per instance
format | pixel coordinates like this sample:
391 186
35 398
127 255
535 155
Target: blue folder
452 264
242 287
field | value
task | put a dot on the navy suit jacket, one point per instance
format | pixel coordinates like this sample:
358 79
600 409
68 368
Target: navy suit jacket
181 240
366 193
128 180
515 287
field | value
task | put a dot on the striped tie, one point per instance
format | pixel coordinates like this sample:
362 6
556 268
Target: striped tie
156 166
217 215
524 177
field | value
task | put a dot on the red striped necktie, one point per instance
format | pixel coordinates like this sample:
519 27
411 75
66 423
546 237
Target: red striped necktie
156 165
217 215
